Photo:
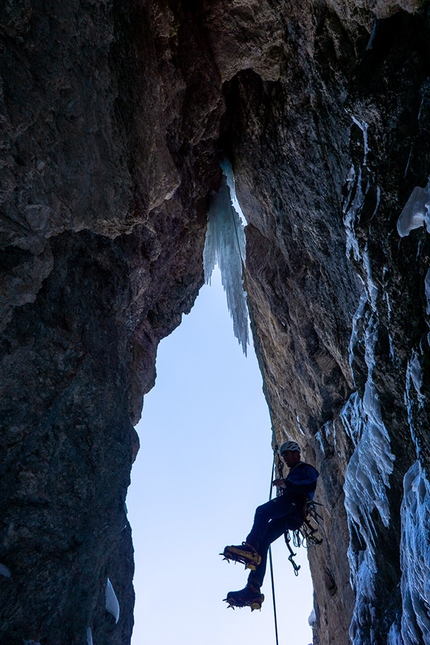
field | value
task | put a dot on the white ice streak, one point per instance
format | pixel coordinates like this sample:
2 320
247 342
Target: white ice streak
386 297
378 201
414 374
299 425
225 246
416 212
354 202
89 636
112 604
413 382
323 434
427 295
355 320
427 291
352 417
228 172
372 289
351 210
364 128
415 557
4 571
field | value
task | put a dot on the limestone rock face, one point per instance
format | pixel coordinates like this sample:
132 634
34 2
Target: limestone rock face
113 118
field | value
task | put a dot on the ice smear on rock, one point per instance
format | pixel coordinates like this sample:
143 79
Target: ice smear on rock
89 636
416 212
415 557
225 246
4 571
427 291
228 172
413 383
394 636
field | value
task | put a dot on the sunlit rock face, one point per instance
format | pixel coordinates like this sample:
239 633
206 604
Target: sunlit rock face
114 117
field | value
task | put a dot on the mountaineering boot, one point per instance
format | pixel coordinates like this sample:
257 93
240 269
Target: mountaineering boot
248 597
245 553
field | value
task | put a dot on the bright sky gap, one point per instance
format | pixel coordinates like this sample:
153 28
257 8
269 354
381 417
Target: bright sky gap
203 467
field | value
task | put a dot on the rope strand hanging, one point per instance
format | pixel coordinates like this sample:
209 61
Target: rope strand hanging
272 577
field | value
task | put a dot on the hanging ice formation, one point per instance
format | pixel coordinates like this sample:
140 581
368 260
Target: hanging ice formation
370 466
225 246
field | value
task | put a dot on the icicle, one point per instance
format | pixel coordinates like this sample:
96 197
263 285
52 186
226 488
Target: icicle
89 636
225 246
112 604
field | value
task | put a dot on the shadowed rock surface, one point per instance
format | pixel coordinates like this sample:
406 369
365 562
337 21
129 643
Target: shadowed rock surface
113 118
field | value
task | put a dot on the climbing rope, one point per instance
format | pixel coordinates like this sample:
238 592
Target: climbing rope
272 577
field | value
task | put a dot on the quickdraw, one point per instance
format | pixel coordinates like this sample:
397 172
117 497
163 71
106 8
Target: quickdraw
292 555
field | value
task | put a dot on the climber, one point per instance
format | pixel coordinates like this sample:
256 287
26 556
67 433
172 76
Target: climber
287 511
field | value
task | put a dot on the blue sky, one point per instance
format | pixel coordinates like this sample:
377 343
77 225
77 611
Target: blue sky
204 465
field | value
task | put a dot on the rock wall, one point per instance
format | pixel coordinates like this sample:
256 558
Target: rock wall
113 118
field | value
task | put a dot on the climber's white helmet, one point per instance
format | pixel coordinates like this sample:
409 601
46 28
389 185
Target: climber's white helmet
289 445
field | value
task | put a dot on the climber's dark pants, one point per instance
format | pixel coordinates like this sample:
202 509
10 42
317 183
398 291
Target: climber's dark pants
271 521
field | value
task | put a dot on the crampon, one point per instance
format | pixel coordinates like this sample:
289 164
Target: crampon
245 553
247 597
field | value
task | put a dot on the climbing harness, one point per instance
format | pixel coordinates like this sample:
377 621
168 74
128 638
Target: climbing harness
304 536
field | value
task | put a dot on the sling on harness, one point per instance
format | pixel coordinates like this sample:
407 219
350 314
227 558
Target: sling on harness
306 535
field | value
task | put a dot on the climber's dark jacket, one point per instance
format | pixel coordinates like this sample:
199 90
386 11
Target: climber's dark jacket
301 480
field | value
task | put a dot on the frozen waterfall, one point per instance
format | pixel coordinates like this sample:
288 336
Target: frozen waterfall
225 246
